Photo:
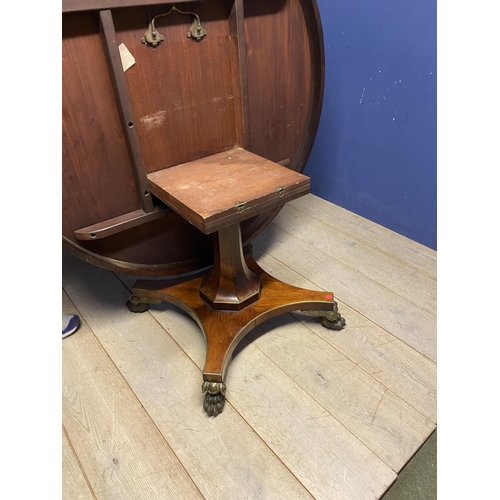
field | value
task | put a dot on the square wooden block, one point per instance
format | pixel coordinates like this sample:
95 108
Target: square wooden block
225 188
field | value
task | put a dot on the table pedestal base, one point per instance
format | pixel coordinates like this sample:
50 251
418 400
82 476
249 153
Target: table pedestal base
224 329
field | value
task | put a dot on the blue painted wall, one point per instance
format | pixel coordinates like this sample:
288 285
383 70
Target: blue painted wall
375 152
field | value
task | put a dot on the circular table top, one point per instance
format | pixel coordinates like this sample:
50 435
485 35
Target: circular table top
255 81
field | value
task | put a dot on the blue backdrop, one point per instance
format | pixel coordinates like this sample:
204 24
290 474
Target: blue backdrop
375 152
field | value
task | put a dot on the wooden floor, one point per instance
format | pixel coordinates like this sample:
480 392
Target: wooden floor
310 412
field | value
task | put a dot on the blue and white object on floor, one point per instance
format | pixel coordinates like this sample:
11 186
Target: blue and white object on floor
70 324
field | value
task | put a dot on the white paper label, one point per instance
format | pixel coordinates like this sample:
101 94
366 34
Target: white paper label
127 58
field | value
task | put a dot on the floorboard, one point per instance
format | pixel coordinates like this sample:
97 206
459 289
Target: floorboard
382 267
119 447
379 418
396 314
310 412
74 483
397 366
369 234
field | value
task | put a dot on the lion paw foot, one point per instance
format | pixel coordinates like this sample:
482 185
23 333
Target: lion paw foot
332 319
215 397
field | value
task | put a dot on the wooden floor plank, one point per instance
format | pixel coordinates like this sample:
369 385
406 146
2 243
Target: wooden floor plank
387 309
74 484
390 361
329 460
369 234
382 267
224 456
121 451
381 420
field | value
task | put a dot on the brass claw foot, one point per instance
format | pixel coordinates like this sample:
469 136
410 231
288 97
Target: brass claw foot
336 324
137 304
215 398
332 319
329 319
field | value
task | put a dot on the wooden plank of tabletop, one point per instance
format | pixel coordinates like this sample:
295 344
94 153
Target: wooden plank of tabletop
119 447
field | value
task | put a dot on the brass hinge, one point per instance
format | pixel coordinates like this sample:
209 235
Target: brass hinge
240 206
281 190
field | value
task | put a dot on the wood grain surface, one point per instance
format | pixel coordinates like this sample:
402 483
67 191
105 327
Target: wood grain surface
120 449
226 188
